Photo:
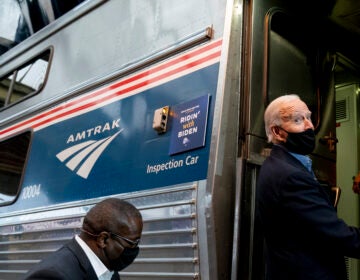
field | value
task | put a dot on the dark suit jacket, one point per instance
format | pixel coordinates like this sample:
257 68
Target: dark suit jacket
68 263
304 237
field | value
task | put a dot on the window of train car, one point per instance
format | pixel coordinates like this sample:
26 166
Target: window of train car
13 152
24 81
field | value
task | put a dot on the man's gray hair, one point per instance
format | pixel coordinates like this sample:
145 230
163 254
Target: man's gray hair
272 116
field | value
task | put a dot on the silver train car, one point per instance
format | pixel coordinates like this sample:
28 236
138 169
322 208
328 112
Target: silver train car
161 103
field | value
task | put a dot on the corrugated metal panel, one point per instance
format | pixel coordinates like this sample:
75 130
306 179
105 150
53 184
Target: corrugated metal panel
168 249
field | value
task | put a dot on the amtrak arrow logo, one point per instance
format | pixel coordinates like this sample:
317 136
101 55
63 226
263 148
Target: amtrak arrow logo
83 156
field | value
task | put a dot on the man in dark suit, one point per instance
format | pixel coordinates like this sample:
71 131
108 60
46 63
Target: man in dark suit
108 243
304 238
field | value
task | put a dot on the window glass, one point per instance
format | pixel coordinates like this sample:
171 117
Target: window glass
13 153
25 80
4 89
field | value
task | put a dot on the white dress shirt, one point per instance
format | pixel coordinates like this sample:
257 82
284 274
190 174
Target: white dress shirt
100 269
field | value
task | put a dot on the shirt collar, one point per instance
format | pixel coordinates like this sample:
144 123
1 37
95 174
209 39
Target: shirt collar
100 269
305 160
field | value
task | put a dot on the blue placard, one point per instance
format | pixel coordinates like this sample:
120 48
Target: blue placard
189 125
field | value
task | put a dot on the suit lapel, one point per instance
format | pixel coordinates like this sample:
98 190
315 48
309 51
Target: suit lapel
89 271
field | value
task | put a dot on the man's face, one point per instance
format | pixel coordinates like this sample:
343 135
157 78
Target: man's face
122 246
296 117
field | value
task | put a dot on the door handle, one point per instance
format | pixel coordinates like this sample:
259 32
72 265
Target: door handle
337 192
330 141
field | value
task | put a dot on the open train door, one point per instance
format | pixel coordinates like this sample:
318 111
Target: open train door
314 59
347 80
304 49
346 69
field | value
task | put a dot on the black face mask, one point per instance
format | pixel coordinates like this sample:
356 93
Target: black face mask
301 143
125 259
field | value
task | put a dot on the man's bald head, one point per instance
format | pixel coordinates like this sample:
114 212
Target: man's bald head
110 215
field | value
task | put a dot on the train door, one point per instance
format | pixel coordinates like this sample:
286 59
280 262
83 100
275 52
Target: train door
347 91
297 62
297 50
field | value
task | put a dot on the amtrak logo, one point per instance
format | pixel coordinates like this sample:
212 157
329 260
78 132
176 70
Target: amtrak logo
82 157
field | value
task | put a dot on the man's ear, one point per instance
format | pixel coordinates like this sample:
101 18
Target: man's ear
275 130
102 239
279 137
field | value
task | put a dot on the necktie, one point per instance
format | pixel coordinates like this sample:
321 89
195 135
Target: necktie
115 276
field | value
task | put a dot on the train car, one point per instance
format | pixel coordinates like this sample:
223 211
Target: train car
161 103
